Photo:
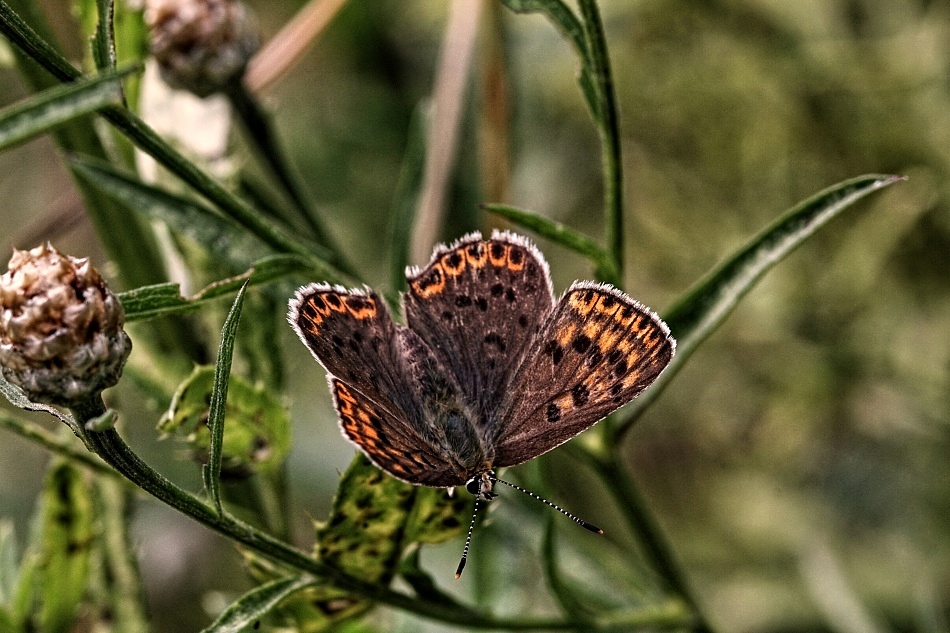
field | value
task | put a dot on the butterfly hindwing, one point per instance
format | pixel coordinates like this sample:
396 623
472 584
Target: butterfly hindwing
390 441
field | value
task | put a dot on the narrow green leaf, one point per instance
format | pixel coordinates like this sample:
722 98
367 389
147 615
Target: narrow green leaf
608 124
247 610
561 234
219 398
6 621
166 299
571 27
35 47
103 42
709 302
46 110
17 398
56 443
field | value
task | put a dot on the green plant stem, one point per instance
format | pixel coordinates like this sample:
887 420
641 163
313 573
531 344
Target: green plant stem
609 128
617 479
56 444
110 446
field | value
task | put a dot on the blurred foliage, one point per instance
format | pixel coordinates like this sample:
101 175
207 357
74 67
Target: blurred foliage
798 464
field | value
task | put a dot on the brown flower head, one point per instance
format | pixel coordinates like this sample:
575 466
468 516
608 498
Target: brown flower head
200 45
61 336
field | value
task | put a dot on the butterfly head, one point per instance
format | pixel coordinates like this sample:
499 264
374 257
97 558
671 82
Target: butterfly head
481 485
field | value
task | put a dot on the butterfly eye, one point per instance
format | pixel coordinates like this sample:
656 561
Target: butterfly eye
473 485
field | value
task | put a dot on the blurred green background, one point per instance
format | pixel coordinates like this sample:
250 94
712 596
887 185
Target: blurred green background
800 464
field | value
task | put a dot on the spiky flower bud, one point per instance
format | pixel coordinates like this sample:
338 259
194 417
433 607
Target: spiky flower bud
61 336
201 45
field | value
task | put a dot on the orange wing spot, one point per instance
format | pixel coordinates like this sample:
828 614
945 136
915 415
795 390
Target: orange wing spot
312 323
476 254
565 336
516 259
331 303
498 254
625 316
453 263
431 283
582 301
361 307
607 305
609 340
369 433
592 330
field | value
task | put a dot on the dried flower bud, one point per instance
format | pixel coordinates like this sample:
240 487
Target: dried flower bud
61 336
201 45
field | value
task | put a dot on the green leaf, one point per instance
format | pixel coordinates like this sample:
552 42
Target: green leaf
50 108
219 398
165 299
103 43
245 612
375 518
709 302
608 124
256 431
570 27
17 398
561 234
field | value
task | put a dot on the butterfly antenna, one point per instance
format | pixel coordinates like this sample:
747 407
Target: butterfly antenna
468 541
576 519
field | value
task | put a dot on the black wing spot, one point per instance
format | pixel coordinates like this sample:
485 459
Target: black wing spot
581 343
580 395
463 301
497 290
492 338
553 413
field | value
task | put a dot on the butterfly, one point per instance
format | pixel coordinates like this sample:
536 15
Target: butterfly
489 370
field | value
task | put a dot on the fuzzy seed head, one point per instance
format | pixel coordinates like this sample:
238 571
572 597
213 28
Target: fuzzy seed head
201 45
61 336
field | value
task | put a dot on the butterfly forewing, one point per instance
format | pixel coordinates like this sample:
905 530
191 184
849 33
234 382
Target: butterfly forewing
479 305
598 350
